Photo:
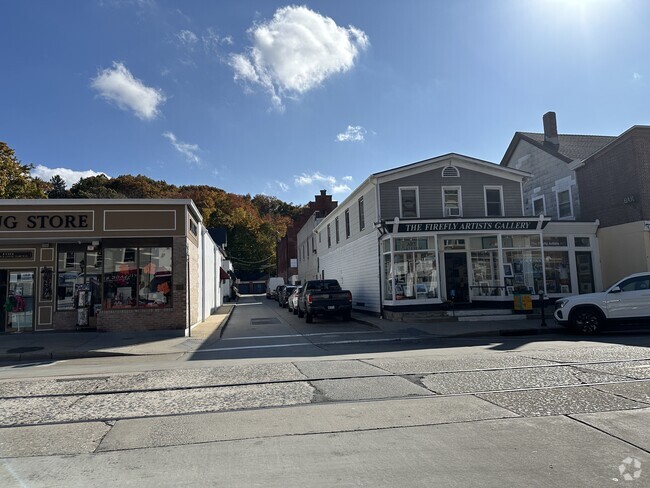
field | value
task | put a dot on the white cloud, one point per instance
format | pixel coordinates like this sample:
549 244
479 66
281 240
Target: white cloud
636 76
283 186
296 51
342 188
188 150
212 42
354 133
70 176
187 38
347 178
120 86
305 179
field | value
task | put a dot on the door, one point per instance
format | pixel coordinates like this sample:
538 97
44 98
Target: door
585 272
3 297
19 304
456 277
633 301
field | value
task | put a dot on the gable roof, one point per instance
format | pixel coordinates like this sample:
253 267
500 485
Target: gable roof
478 164
571 146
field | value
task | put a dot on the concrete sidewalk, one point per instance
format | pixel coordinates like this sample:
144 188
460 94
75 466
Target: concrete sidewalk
44 346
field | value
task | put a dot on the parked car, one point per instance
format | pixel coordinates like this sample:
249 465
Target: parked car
283 295
324 297
628 300
271 285
292 302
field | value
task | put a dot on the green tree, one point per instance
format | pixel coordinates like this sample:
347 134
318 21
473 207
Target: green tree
16 180
57 188
94 187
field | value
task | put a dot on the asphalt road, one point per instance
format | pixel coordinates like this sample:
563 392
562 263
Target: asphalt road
278 402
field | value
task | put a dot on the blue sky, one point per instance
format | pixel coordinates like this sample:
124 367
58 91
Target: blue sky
287 99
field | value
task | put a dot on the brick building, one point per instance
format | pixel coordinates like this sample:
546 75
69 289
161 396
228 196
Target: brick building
287 247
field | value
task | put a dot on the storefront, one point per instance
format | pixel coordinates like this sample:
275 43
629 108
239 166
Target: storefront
434 262
105 264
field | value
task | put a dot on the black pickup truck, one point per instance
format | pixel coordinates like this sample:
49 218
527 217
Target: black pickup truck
324 297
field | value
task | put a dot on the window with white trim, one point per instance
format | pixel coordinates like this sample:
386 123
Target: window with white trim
336 229
409 202
539 205
347 223
362 217
493 201
452 201
564 204
329 236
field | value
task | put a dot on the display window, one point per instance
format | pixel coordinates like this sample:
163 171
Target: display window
411 271
137 277
522 263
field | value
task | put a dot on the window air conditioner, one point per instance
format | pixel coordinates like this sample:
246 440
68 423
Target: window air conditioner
453 212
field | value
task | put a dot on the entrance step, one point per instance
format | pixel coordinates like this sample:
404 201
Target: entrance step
478 315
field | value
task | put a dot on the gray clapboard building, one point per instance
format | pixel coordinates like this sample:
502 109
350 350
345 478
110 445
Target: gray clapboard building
446 228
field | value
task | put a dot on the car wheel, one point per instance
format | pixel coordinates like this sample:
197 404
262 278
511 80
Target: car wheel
587 320
309 318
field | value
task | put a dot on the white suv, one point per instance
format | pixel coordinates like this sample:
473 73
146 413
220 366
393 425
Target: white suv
626 301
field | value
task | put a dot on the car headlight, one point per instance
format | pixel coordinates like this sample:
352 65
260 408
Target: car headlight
561 303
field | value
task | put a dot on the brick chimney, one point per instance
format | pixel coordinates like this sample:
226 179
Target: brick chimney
550 130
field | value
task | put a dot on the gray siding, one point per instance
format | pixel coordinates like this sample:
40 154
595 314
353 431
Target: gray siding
430 185
547 170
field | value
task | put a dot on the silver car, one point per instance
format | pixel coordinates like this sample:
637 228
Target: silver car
292 302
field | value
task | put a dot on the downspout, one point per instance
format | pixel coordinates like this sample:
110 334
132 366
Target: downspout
379 253
188 331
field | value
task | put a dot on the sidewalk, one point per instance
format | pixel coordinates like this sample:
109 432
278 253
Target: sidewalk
44 346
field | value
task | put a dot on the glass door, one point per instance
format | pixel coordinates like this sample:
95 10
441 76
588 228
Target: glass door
19 304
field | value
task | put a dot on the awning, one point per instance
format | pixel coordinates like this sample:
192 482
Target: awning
223 274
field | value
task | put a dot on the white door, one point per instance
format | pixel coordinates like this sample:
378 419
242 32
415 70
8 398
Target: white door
632 301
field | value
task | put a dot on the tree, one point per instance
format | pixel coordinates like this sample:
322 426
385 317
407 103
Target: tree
57 188
94 187
16 180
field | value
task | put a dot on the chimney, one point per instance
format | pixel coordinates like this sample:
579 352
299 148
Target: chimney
550 129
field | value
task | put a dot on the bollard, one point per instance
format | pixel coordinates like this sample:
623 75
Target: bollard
541 305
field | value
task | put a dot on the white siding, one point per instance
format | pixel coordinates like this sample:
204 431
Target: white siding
355 265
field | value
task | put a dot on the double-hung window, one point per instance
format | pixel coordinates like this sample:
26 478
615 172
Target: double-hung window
347 223
409 202
493 201
451 201
564 204
336 229
362 217
539 205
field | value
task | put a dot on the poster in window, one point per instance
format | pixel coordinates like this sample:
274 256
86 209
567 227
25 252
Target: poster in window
46 284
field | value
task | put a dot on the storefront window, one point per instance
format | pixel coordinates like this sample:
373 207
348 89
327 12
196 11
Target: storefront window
155 266
137 277
69 274
558 272
411 272
486 276
525 269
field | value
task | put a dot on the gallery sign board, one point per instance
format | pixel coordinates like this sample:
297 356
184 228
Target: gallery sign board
470 225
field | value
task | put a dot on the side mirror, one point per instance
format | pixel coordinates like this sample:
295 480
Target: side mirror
615 289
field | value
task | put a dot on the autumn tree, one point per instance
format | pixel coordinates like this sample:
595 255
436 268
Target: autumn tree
16 180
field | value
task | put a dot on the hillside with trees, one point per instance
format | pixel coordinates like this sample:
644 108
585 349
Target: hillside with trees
254 224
